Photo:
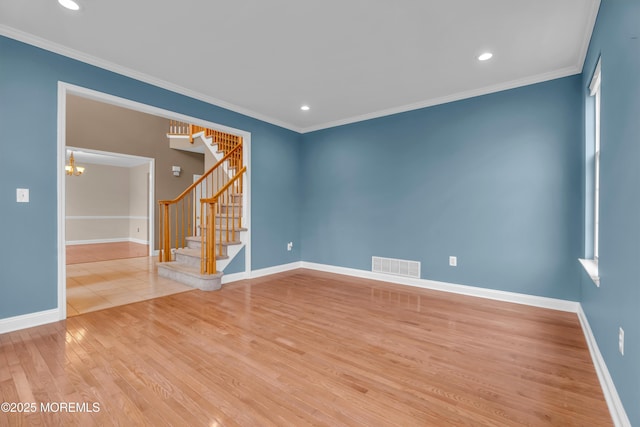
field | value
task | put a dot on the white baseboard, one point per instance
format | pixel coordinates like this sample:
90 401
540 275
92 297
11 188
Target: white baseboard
139 241
276 269
29 320
230 278
536 301
114 240
616 409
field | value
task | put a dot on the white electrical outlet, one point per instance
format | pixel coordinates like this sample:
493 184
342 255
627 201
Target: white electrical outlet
289 246
453 261
621 341
22 195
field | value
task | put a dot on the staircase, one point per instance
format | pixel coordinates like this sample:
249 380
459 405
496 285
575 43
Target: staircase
201 230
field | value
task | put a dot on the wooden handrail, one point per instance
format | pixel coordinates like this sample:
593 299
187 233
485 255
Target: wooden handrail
214 198
202 178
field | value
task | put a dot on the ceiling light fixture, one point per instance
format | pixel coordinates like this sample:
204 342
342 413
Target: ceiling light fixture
305 108
72 169
69 4
485 56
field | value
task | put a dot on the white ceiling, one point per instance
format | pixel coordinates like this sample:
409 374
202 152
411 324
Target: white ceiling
348 59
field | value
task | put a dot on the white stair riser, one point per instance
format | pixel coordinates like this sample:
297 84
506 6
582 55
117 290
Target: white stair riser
232 221
197 244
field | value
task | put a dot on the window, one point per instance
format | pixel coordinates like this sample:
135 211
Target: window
594 90
593 174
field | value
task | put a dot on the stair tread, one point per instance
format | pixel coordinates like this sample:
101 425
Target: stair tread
197 253
197 238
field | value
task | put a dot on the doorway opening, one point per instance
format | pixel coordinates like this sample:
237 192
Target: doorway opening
78 227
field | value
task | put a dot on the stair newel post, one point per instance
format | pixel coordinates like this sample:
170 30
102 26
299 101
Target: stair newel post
160 232
176 211
219 241
241 189
229 215
182 224
166 250
203 242
211 239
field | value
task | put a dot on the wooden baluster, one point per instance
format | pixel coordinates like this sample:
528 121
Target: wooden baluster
160 223
182 225
211 245
175 215
241 192
229 207
191 213
167 236
203 244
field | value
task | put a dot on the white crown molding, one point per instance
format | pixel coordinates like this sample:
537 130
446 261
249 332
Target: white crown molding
36 41
74 54
586 40
564 72
614 403
532 300
29 320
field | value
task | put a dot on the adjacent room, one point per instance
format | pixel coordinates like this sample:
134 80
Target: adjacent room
409 213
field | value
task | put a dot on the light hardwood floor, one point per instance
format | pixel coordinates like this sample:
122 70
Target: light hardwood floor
105 275
99 285
308 348
77 254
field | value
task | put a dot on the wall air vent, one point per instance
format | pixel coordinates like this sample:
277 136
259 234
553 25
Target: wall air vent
397 267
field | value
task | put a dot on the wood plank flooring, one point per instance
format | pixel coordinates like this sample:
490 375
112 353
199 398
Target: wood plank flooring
96 286
307 348
77 254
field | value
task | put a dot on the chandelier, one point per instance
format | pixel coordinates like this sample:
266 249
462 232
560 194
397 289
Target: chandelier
72 169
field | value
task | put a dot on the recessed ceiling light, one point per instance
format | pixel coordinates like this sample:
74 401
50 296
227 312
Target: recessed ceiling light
305 108
69 4
485 56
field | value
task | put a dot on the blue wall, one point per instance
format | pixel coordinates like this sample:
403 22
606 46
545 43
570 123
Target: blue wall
616 303
494 180
28 119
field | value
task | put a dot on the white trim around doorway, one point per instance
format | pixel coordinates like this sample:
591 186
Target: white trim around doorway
65 89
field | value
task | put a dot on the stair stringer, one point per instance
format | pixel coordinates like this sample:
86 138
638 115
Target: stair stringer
232 251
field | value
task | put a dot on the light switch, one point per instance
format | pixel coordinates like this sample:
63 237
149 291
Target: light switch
22 195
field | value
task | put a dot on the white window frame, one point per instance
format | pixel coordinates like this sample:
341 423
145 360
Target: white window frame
591 265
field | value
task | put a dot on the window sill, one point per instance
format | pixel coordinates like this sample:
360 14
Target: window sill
591 267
